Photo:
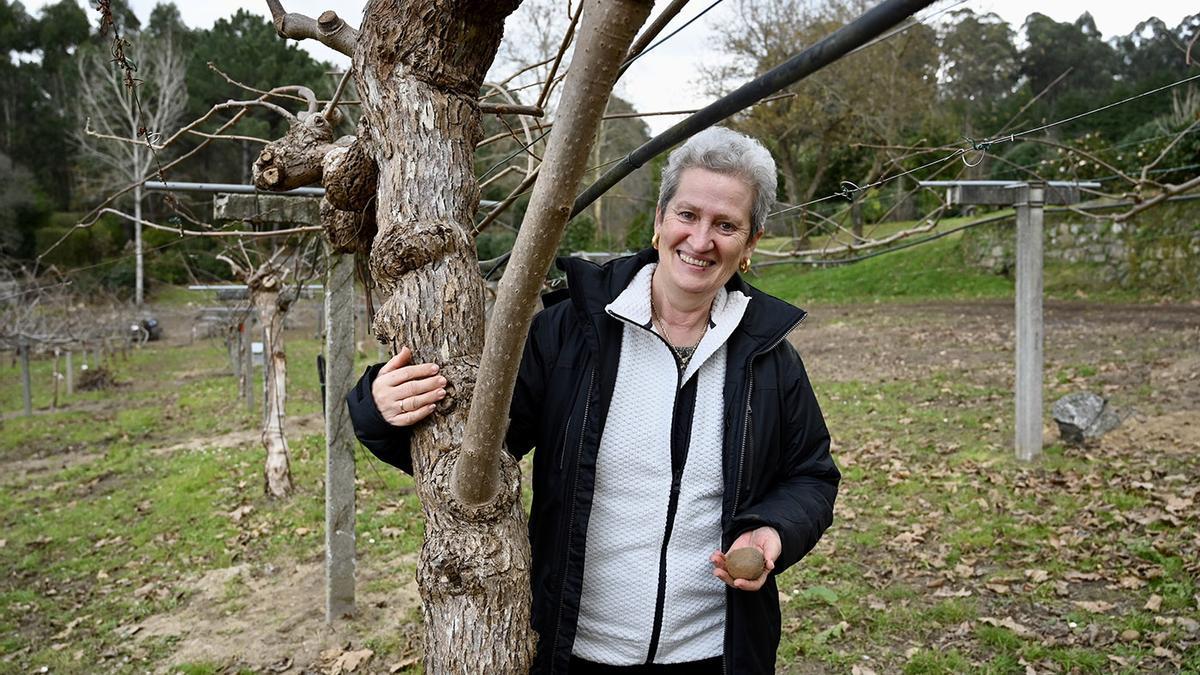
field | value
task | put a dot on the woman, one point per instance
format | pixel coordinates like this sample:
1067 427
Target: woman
673 423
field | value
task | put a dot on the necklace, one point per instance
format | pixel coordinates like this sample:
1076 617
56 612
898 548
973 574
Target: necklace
683 354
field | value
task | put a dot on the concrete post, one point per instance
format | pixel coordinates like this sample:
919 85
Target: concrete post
55 376
266 373
339 438
70 375
1029 324
26 379
247 366
235 356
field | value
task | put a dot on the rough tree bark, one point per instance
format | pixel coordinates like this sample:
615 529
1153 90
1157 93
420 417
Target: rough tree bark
418 66
264 285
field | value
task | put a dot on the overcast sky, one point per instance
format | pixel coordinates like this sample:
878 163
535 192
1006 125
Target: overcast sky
666 79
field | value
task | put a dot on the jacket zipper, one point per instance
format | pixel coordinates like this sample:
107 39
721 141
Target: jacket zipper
672 503
672 507
737 490
562 456
562 590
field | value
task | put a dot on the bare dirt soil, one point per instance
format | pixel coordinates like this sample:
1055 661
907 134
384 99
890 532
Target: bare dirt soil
1147 356
265 619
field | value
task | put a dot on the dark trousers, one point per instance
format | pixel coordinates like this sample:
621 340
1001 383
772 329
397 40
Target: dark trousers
706 667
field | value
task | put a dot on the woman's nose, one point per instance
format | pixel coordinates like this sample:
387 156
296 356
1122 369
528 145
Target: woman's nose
701 238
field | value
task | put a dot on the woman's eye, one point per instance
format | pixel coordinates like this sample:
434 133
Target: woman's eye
686 215
727 227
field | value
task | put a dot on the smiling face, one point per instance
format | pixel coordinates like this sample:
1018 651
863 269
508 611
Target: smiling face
703 233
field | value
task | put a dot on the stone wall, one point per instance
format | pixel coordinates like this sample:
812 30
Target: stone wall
1157 250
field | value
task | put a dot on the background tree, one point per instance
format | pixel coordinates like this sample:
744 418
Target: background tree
979 69
244 47
1054 48
35 101
116 113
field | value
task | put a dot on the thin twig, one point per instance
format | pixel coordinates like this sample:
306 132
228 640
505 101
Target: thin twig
214 232
508 201
562 49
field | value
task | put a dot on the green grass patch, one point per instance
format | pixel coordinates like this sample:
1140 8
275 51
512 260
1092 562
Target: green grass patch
928 272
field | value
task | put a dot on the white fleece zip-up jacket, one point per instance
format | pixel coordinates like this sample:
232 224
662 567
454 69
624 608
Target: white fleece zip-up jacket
649 594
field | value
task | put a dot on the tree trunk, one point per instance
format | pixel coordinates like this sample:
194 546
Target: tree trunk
418 67
278 471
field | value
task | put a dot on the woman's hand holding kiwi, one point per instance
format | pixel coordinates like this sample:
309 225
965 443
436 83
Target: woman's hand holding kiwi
749 560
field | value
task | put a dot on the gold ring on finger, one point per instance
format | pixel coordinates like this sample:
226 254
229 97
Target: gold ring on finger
403 407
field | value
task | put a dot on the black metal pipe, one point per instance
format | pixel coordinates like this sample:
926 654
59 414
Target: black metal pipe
841 42
836 45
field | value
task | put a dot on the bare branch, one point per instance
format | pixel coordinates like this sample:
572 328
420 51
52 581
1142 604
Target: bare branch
508 201
656 26
229 137
1167 192
931 221
511 109
309 97
329 29
1174 141
94 214
1085 154
211 233
526 69
529 139
337 94
500 174
562 49
238 270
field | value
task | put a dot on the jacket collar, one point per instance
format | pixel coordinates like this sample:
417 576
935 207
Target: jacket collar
633 306
766 321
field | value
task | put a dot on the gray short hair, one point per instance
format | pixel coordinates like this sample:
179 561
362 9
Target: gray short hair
729 152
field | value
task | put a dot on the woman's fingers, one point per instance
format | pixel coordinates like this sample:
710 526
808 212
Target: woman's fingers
403 374
402 358
397 404
406 393
415 388
411 418
420 400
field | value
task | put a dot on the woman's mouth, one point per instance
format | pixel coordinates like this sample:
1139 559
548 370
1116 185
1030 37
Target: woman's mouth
693 261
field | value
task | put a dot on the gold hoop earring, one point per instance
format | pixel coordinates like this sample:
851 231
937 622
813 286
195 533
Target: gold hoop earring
654 241
744 266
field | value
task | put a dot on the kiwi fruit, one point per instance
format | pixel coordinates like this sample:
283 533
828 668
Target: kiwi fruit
745 563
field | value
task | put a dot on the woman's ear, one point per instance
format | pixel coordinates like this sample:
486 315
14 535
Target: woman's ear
753 243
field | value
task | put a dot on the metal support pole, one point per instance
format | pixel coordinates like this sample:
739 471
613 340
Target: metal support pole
26 379
339 438
1029 324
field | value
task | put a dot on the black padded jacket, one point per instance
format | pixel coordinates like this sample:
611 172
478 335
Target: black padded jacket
778 470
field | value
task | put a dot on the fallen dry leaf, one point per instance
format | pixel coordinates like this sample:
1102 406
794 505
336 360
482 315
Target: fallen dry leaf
1037 576
1154 603
1009 623
1094 606
348 662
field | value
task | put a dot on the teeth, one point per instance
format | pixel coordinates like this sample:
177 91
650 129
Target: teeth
693 261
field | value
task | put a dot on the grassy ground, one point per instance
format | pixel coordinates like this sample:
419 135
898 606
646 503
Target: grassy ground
135 534
932 271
